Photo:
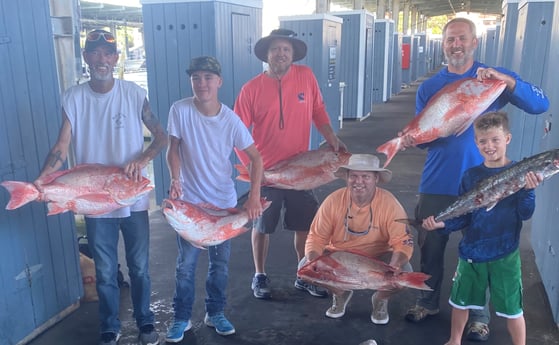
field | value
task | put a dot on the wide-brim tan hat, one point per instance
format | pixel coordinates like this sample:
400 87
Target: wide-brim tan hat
364 162
262 45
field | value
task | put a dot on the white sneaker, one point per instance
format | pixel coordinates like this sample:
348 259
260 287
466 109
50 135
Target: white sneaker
379 315
339 302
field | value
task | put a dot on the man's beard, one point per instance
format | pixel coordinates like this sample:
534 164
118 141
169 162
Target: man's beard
99 76
461 61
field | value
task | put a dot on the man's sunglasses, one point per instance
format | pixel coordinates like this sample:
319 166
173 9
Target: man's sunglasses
96 35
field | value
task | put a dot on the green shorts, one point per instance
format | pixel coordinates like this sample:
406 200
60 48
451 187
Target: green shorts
503 277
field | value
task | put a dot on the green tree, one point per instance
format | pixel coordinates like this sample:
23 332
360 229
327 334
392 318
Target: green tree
436 24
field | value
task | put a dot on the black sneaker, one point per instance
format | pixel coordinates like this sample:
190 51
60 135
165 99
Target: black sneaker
314 290
260 286
109 338
148 335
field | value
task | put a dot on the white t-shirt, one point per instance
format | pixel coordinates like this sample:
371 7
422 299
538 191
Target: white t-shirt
205 149
107 128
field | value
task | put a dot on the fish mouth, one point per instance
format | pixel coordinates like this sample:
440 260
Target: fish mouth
167 206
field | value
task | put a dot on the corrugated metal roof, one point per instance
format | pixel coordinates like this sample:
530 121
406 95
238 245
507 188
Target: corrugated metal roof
99 12
94 14
432 8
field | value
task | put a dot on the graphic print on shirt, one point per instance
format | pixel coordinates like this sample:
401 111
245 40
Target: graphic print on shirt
118 120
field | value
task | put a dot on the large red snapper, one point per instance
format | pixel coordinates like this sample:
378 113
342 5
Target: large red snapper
88 189
204 227
307 170
449 112
343 271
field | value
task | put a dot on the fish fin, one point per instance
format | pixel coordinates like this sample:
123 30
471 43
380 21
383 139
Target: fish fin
415 223
55 208
192 243
414 280
214 211
232 210
21 193
184 236
330 288
490 206
208 206
390 149
199 246
243 173
460 130
53 176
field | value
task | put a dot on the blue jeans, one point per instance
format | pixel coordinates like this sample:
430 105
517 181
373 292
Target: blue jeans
103 236
432 245
216 281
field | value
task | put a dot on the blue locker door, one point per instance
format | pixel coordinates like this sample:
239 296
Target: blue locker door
242 52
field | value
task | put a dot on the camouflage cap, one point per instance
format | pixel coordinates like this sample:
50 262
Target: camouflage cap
204 63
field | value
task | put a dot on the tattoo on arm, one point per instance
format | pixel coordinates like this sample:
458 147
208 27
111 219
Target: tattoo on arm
53 158
148 117
159 139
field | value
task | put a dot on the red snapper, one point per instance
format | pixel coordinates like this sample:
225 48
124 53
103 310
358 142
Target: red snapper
344 271
88 189
449 112
304 171
204 227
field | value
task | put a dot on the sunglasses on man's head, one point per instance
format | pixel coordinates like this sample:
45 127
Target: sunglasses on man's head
96 35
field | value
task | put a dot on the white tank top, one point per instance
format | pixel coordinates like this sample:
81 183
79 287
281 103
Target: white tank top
107 128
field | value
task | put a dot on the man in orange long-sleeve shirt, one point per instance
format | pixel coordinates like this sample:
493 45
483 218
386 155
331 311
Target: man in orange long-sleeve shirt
360 217
281 105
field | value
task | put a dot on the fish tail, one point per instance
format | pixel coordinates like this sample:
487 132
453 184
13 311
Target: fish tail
415 280
21 193
243 173
389 149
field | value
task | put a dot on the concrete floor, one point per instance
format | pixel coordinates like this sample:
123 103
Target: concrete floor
295 317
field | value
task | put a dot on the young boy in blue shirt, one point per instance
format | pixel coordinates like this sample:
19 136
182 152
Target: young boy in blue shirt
488 251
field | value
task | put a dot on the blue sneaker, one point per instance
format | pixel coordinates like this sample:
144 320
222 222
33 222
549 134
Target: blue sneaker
260 286
175 333
220 323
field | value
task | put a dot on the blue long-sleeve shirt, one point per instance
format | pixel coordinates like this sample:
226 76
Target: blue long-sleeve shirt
448 158
490 235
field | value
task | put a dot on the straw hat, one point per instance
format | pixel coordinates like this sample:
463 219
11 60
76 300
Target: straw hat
299 47
364 162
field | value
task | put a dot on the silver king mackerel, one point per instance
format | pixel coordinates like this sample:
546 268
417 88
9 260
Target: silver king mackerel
491 190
